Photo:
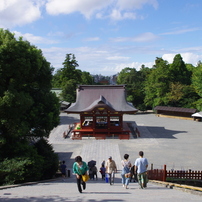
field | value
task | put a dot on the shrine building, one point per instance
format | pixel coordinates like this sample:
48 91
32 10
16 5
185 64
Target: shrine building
101 109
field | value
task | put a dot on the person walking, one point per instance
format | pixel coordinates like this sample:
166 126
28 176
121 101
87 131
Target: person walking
80 168
63 169
141 165
102 171
94 169
125 173
111 169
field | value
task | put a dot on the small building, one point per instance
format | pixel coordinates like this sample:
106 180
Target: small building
64 105
197 116
101 109
57 91
174 111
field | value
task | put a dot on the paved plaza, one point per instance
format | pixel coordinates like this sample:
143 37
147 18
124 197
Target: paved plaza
174 142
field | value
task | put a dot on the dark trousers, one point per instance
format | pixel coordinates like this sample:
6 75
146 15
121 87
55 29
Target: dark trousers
79 182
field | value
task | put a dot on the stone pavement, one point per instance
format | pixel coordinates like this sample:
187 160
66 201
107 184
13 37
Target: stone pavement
173 142
96 191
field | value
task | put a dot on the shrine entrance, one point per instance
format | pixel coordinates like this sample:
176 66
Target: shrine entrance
100 118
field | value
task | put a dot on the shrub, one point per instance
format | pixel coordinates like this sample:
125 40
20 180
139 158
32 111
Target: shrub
13 170
50 159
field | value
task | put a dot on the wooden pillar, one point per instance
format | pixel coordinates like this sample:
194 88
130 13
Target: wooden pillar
152 166
164 173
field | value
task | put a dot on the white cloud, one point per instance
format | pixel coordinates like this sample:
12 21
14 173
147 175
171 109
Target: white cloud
118 15
181 31
188 57
116 10
106 60
19 12
118 58
144 37
34 39
92 39
110 70
136 4
87 7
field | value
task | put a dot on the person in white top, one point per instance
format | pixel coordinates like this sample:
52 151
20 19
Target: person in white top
141 165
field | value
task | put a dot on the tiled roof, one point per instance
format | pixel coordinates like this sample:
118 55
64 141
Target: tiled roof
175 109
198 114
112 96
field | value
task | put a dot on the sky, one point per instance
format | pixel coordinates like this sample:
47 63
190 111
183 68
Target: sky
109 35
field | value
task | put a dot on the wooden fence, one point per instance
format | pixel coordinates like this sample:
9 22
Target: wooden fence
163 174
195 175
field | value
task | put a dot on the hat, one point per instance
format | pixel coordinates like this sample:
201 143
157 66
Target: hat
110 157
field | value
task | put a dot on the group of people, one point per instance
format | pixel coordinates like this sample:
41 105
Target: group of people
139 168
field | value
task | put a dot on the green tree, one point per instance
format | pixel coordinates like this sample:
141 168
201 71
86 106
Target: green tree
197 79
69 91
124 76
179 72
86 78
134 81
68 77
28 109
157 84
197 84
68 72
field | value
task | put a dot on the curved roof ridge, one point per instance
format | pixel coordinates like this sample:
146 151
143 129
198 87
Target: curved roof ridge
99 101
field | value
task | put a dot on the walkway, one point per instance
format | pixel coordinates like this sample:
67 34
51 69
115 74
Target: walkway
163 140
96 191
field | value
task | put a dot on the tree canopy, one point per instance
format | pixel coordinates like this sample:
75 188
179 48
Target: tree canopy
28 109
176 84
68 77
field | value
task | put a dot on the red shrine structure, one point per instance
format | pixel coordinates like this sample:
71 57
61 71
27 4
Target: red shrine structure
101 109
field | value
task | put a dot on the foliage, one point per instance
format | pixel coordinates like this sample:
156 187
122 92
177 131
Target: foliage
134 81
179 72
86 78
26 166
197 79
68 72
68 77
28 109
176 84
38 162
12 170
157 84
50 159
69 90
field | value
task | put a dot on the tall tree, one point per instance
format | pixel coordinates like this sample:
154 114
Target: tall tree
68 77
134 81
86 78
179 72
197 84
157 84
27 107
68 72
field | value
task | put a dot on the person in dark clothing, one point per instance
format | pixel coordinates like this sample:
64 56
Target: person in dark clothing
102 171
63 169
133 174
